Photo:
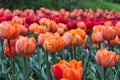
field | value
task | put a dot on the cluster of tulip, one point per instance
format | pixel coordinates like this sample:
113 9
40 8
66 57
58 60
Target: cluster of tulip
107 33
53 31
88 16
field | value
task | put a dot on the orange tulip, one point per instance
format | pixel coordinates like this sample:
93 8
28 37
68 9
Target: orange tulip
98 28
60 31
52 26
109 33
118 29
97 37
23 30
108 23
106 58
113 42
68 71
25 46
79 37
63 26
44 21
12 46
81 25
117 40
7 51
9 30
37 29
18 20
67 37
43 37
54 43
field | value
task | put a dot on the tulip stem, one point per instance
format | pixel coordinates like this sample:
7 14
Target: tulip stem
71 54
53 58
25 67
109 47
99 45
105 76
47 65
1 44
12 61
74 49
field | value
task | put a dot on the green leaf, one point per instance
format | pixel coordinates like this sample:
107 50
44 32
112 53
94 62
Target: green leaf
38 72
117 76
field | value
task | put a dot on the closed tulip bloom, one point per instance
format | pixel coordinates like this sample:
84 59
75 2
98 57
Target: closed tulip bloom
54 43
12 47
98 28
79 37
44 21
18 20
68 71
23 30
81 25
7 52
112 42
106 58
51 26
9 30
63 26
97 37
118 29
60 31
37 29
67 37
43 37
109 33
25 46
108 23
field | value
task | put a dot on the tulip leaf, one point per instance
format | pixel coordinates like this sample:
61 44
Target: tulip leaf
117 76
38 72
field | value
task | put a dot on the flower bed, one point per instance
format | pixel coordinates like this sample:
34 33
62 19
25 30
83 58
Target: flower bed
59 45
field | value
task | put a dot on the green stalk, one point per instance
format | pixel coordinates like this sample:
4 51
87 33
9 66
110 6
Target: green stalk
109 46
1 44
74 49
105 73
12 61
26 68
99 45
71 53
47 65
53 58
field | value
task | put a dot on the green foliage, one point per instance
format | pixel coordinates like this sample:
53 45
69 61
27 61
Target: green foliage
58 4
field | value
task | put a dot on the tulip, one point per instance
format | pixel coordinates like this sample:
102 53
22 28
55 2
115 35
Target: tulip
25 46
43 37
79 37
12 46
106 58
98 28
67 37
37 29
18 20
54 43
63 26
118 28
23 30
68 71
51 26
97 37
109 33
9 30
44 21
81 25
